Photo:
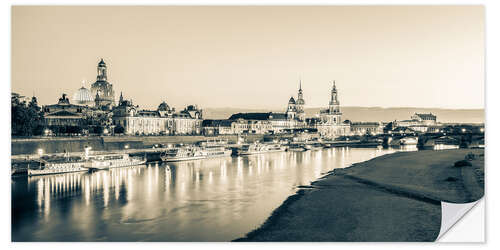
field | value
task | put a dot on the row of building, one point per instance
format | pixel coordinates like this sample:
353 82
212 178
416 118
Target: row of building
97 107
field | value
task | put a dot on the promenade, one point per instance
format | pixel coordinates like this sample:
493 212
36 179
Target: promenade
393 197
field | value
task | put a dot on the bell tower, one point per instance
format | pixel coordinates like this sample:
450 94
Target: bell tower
102 74
334 101
300 103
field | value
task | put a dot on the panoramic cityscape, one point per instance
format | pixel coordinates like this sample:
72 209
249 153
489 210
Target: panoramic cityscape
115 160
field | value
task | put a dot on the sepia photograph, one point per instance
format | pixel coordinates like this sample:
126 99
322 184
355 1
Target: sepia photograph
289 123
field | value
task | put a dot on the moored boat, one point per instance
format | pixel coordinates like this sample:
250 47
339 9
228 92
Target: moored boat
184 153
259 148
313 146
82 164
296 147
196 152
107 161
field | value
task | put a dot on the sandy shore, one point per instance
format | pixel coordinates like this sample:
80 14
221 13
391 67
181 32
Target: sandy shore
394 197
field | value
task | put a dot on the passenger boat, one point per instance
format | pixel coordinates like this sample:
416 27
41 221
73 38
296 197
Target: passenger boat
76 165
313 146
184 153
202 151
82 164
408 141
215 151
259 148
296 147
107 161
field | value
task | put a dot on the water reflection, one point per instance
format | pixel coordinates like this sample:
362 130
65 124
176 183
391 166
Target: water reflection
205 200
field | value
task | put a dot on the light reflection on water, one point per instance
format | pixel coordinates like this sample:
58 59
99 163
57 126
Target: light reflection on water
206 200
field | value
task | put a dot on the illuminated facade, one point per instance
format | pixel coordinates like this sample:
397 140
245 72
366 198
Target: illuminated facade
163 121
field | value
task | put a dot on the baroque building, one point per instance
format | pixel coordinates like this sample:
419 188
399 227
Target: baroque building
330 123
65 117
101 90
162 121
64 114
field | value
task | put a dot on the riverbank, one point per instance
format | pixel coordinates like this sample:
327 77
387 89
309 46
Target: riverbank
393 197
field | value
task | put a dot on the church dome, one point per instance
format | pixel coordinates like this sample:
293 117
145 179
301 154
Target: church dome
163 107
102 63
83 96
291 101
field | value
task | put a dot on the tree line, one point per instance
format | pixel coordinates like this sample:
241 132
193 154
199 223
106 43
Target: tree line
26 118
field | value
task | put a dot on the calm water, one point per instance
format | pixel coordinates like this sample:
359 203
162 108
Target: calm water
205 200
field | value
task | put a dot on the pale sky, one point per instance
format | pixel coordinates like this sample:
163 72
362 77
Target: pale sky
253 57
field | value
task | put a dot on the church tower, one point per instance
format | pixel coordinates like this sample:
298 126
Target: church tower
301 115
334 105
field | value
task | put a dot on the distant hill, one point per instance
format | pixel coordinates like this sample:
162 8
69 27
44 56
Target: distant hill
369 113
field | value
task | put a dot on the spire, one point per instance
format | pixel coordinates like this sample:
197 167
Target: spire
300 83
121 97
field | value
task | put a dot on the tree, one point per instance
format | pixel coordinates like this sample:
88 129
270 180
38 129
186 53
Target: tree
26 119
119 129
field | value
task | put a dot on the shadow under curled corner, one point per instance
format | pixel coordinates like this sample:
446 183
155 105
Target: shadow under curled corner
401 197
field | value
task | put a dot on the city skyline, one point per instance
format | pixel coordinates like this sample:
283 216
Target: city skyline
235 71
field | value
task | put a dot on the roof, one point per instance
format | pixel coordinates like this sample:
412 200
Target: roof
58 105
278 116
292 101
216 123
62 113
259 116
365 123
149 113
426 116
250 116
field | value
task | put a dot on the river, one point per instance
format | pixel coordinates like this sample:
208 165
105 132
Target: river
217 199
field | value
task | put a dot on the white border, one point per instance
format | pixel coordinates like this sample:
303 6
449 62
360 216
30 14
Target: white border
492 124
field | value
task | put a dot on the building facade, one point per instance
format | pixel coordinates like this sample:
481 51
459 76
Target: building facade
419 122
163 121
363 128
65 117
64 114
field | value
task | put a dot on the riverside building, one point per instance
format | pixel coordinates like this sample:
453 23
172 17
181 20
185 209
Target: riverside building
292 120
419 122
162 121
